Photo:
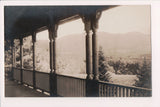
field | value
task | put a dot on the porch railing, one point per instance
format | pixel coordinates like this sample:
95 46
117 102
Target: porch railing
42 81
76 87
71 86
114 90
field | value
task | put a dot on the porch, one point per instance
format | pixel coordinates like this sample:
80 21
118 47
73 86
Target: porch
30 22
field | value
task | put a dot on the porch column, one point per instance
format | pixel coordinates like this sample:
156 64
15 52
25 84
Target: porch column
54 59
34 61
53 76
13 58
21 59
91 23
87 24
51 60
89 83
94 26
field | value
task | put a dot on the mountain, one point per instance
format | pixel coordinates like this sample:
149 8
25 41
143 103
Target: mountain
133 44
71 50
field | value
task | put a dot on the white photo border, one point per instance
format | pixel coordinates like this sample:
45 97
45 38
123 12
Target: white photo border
82 101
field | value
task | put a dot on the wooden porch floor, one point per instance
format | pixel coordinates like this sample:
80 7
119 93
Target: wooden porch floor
13 89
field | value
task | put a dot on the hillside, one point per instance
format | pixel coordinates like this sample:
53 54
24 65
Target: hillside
129 44
71 49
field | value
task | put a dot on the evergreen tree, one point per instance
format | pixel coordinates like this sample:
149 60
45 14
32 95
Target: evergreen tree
103 75
144 76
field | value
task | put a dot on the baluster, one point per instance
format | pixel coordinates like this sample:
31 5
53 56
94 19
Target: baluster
65 87
147 93
120 95
84 87
76 87
100 90
116 91
108 91
134 92
123 92
62 85
144 93
71 95
140 93
112 91
130 92
127 92
99 86
105 90
81 88
70 83
73 86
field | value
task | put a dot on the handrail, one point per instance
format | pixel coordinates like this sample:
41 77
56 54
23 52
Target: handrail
70 76
133 87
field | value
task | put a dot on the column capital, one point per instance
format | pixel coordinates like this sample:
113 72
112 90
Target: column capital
33 37
87 22
21 40
94 20
52 29
12 42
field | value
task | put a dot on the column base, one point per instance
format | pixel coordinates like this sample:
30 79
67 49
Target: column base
53 85
92 88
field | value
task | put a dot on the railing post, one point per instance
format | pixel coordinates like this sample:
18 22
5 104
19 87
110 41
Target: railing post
53 77
33 48
21 59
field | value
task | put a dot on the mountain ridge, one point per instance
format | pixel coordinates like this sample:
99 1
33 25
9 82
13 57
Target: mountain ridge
128 44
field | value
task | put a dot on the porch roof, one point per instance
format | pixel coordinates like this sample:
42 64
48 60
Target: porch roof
21 21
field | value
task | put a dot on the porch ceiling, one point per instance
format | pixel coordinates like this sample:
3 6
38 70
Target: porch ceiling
20 21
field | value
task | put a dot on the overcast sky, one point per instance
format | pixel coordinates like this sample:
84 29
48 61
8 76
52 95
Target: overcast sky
122 19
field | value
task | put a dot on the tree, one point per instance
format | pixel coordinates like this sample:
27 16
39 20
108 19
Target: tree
117 66
133 68
103 75
144 76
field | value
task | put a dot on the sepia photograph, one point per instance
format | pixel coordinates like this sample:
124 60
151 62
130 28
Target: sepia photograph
77 51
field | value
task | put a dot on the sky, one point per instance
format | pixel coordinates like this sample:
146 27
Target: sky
121 19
